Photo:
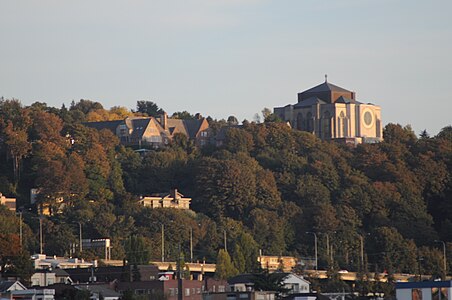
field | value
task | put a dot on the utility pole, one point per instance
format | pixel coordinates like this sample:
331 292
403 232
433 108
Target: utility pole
163 243
179 276
80 236
315 248
40 235
191 244
225 241
362 251
444 256
20 229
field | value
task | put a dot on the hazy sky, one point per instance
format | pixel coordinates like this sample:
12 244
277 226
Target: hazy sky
230 57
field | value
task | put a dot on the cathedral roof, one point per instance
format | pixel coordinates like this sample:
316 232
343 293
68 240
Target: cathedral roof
326 87
310 101
346 100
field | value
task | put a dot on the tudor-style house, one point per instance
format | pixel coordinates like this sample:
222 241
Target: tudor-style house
174 199
331 112
155 132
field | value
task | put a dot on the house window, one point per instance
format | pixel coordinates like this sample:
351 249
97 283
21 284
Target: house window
203 133
416 294
187 292
171 292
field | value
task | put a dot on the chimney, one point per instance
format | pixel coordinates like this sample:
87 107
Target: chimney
174 194
164 120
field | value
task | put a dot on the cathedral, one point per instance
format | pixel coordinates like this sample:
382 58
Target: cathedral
333 113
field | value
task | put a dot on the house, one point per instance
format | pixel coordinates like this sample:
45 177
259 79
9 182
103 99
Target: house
191 289
273 262
292 282
333 113
41 261
49 276
424 290
155 132
109 274
164 200
296 284
7 287
34 294
10 203
100 291
249 295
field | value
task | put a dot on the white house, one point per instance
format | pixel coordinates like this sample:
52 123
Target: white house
296 284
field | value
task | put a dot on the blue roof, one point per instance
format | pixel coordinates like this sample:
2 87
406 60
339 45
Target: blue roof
423 284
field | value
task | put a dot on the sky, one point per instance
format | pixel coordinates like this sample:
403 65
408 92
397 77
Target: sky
230 57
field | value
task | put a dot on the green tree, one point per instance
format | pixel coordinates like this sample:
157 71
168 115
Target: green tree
137 250
224 267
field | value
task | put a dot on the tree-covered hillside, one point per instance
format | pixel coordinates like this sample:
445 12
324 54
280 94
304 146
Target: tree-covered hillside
264 188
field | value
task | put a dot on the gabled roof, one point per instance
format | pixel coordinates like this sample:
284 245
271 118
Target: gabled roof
193 126
110 125
326 87
5 286
139 126
308 102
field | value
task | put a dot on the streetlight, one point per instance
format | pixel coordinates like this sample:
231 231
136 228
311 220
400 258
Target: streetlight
444 256
315 247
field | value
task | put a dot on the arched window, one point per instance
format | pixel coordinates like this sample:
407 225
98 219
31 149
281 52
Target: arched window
309 122
300 121
342 125
326 122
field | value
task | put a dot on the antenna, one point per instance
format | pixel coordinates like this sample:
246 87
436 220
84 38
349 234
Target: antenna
326 77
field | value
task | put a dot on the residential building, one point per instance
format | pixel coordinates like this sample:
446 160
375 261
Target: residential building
296 284
34 294
109 274
155 132
41 261
164 200
100 291
191 289
7 287
333 113
245 283
424 290
254 295
49 276
273 262
10 203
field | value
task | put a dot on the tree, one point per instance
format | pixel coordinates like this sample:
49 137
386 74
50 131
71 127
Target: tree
137 250
224 268
266 281
183 115
149 108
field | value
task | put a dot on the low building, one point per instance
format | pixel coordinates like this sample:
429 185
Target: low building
246 283
49 276
34 294
191 289
424 290
7 287
41 261
254 295
10 203
273 263
174 199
